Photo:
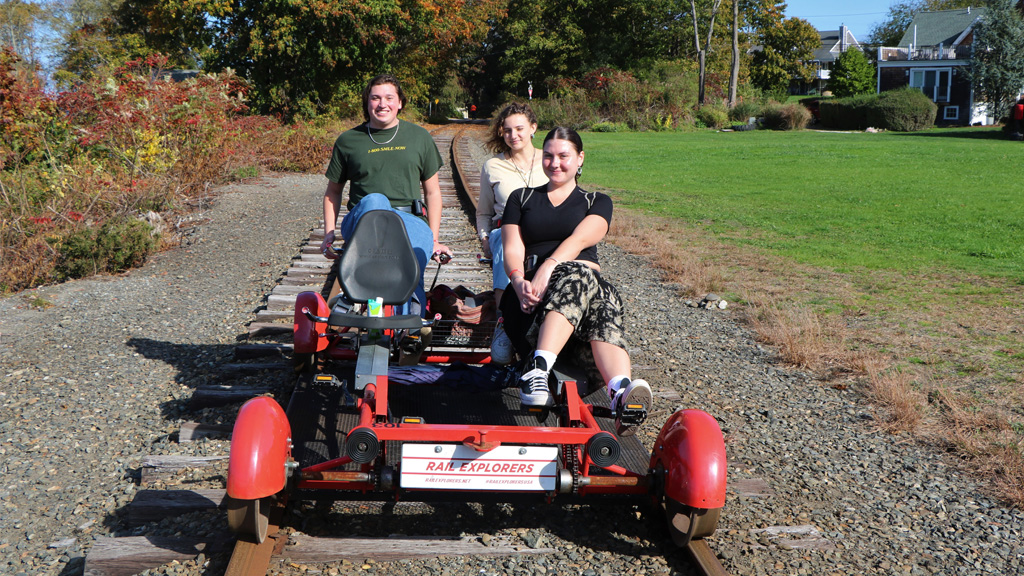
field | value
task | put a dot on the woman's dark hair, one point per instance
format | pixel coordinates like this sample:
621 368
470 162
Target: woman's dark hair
573 137
377 81
496 143
565 133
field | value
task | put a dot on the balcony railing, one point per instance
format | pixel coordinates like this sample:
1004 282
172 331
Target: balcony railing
886 54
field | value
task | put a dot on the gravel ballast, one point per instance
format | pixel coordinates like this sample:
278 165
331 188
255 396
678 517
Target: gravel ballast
96 374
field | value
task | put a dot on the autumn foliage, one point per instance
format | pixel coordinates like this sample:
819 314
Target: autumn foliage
100 155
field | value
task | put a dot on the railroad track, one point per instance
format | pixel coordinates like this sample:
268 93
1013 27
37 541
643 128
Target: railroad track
311 271
459 188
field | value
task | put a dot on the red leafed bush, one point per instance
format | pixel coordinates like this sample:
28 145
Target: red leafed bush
110 149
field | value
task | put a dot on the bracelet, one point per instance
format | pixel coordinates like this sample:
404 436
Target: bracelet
553 260
514 270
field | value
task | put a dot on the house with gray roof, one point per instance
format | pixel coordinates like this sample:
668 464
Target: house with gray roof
935 55
833 43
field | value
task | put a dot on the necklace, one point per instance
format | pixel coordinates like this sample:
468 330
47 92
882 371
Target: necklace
527 176
388 140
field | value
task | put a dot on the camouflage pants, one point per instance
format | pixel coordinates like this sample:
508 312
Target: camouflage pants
591 305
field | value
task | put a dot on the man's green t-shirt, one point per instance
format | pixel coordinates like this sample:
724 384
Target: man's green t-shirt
394 167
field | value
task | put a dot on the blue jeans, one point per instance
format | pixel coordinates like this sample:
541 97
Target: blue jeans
420 236
500 278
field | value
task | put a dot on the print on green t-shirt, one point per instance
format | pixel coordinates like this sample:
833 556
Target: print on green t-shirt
395 165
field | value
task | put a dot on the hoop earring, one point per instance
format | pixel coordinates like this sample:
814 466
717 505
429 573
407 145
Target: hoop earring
579 171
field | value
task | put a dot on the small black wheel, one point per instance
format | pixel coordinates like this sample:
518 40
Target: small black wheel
686 523
249 517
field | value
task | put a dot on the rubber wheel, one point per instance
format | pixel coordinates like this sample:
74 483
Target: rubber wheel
303 362
686 523
249 517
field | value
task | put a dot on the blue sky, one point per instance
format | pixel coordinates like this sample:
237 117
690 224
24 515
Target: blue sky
860 16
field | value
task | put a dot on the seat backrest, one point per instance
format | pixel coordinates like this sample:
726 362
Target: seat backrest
378 260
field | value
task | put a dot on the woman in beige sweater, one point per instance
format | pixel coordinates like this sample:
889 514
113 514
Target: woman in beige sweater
516 164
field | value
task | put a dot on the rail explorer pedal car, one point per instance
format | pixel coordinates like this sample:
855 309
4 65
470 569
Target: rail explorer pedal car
351 433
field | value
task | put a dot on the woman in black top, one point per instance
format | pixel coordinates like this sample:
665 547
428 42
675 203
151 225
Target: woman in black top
558 298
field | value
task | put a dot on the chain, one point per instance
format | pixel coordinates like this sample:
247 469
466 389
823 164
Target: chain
381 143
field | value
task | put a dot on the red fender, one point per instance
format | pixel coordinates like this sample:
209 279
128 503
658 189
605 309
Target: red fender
308 334
691 449
260 448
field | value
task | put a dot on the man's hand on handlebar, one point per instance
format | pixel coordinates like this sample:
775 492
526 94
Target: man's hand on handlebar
442 253
327 246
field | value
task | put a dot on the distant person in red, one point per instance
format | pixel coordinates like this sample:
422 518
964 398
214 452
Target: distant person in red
1017 118
472 110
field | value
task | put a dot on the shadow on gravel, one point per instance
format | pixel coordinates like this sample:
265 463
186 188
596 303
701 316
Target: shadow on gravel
199 366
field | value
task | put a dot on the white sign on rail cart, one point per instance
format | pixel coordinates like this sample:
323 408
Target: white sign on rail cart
457 467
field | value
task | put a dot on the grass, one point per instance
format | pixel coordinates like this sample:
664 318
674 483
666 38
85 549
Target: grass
890 261
879 201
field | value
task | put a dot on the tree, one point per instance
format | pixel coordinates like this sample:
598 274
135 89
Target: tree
535 40
785 51
734 68
20 24
710 12
852 74
756 13
308 58
90 42
997 67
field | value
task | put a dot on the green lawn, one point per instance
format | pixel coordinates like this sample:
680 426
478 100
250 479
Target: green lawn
948 199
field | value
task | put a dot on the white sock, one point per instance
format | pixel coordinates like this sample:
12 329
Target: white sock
615 383
549 357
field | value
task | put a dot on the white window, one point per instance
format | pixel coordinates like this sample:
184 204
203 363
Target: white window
934 82
951 113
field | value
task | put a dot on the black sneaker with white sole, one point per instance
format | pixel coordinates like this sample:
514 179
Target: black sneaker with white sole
533 384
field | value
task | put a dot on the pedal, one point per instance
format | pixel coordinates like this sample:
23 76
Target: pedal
413 420
632 415
328 380
333 382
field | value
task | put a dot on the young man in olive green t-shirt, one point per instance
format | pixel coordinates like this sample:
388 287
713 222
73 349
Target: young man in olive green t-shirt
389 164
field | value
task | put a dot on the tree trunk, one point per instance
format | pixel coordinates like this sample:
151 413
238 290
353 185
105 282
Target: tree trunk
734 76
700 90
700 53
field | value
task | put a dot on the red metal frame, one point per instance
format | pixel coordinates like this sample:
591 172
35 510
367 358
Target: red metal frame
690 448
583 426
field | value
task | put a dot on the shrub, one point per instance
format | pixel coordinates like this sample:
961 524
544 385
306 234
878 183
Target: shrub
712 115
658 100
610 127
903 110
117 145
792 116
847 113
566 105
114 247
745 110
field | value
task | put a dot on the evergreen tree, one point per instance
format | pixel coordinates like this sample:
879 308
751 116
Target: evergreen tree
852 74
997 67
